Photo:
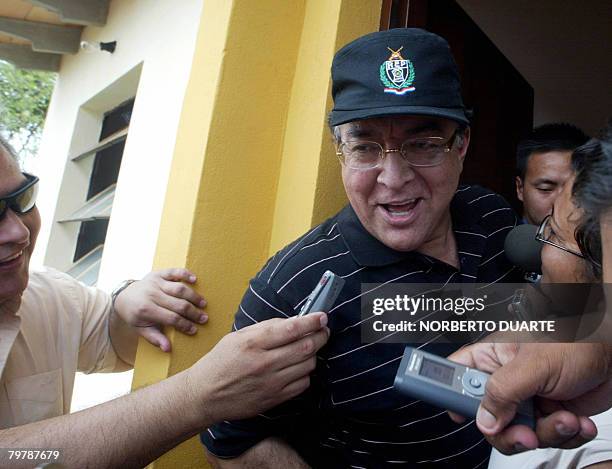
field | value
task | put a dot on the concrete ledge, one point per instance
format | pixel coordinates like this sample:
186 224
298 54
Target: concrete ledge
44 37
85 12
24 57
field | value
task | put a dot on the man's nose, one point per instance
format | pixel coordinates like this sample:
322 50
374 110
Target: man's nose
395 170
13 229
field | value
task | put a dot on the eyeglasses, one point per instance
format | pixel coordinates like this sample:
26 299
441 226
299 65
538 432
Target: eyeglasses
23 199
420 152
546 232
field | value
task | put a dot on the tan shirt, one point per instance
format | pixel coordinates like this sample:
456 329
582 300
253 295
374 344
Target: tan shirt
61 327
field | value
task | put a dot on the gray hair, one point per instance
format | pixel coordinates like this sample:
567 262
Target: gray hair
7 148
336 132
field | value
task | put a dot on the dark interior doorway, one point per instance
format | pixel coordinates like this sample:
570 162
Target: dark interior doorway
500 98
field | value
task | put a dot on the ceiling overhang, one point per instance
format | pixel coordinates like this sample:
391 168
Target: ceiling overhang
34 34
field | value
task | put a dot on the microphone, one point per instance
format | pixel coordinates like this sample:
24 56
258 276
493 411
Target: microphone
522 249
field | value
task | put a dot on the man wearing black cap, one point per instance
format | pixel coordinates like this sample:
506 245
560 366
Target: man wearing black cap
402 136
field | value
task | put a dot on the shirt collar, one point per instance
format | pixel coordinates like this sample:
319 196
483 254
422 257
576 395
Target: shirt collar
464 217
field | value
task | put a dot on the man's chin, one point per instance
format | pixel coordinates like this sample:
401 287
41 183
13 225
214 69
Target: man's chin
13 287
403 242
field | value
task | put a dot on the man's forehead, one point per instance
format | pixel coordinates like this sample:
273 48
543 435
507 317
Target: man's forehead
552 165
561 158
408 124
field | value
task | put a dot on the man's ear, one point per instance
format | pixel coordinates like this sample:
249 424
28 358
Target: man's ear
464 146
519 188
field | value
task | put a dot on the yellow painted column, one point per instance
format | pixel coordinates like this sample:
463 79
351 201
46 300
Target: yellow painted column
253 163
310 188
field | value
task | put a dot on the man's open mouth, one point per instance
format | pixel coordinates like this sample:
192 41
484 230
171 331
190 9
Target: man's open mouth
7 261
401 209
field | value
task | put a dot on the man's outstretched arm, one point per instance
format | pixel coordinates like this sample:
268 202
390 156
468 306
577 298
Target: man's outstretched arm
247 372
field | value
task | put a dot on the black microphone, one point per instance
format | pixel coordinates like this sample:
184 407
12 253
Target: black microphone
522 249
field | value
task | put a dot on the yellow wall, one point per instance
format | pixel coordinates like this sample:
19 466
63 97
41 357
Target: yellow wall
253 166
310 188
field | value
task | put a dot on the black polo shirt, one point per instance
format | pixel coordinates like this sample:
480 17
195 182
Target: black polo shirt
351 416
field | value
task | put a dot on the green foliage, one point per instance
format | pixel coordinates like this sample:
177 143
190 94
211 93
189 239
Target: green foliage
24 99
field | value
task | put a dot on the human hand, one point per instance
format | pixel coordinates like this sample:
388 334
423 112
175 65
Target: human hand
571 382
161 299
258 367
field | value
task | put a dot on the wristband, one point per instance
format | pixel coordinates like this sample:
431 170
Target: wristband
122 286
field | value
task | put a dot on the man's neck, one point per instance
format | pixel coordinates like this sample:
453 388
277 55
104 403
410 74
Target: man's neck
10 306
444 246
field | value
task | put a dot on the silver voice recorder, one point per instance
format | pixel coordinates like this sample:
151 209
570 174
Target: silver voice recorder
324 294
449 385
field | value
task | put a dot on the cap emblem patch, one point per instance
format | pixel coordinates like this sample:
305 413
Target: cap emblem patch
397 73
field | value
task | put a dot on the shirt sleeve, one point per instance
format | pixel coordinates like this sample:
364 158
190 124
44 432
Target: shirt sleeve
229 439
96 353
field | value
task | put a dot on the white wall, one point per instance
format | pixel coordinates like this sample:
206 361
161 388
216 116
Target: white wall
562 48
155 46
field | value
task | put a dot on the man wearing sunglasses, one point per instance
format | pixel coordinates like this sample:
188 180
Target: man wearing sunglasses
159 299
52 326
402 134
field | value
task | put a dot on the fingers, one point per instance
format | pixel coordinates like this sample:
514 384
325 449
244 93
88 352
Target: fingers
164 317
563 429
161 299
156 337
183 308
464 356
181 300
559 430
178 274
297 371
485 356
295 388
508 386
587 432
275 333
514 439
456 417
182 291
296 352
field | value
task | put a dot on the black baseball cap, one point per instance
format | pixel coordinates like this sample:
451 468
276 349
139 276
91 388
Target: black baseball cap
404 71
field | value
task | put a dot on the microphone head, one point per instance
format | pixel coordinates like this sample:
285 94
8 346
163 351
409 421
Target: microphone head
522 249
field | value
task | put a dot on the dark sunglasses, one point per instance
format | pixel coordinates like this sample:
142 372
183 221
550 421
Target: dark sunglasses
23 199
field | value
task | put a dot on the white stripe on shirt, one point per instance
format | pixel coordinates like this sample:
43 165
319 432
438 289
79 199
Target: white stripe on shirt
271 306
420 441
481 197
291 250
311 265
